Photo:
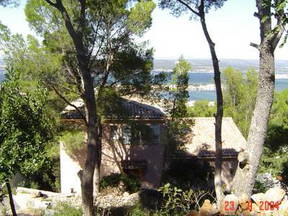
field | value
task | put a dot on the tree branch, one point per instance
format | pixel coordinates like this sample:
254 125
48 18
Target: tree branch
70 104
279 29
82 16
254 45
188 6
78 43
277 36
51 3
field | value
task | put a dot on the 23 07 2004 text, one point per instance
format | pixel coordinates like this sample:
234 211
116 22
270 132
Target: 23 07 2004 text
263 205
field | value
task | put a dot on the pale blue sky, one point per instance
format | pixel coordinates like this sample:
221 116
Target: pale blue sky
232 28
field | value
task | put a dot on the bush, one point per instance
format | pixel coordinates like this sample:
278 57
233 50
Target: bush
180 202
73 140
65 209
187 174
138 211
131 183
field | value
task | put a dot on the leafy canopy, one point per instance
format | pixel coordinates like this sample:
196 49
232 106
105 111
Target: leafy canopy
180 94
108 31
240 96
178 7
25 129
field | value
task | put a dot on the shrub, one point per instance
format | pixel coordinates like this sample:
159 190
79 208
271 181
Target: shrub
131 183
137 210
65 209
180 202
73 140
187 174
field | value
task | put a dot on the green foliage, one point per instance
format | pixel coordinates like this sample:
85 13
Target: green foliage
66 209
176 201
108 36
259 187
179 7
180 95
179 172
73 140
180 202
178 131
240 96
131 183
30 66
35 65
25 129
275 159
139 17
279 113
178 128
137 210
201 108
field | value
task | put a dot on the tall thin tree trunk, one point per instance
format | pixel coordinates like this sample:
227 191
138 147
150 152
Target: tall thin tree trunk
12 206
92 158
97 172
219 113
259 121
244 179
88 95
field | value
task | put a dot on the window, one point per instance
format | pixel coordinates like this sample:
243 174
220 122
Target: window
114 132
155 133
136 134
126 134
146 134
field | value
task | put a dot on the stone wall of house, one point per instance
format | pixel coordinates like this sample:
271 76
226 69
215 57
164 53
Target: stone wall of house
112 155
115 152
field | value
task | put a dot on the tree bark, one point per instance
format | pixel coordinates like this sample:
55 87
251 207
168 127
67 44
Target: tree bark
97 170
258 128
244 179
12 206
219 113
92 158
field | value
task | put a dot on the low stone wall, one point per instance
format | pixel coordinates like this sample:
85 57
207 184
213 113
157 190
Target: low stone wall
28 200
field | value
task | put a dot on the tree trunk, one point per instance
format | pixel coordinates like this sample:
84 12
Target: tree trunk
92 142
257 133
98 164
219 113
88 95
13 210
244 179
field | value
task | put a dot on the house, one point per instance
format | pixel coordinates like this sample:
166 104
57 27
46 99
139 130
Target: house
131 142
201 145
136 144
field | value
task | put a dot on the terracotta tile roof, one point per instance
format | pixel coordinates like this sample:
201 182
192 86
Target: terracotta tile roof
138 110
131 110
202 141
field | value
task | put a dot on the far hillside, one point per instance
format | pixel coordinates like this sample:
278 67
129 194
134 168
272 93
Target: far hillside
205 65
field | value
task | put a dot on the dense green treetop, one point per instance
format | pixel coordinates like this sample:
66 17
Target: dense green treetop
110 28
240 96
201 108
275 158
179 93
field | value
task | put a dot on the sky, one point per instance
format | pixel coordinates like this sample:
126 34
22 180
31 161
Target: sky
232 28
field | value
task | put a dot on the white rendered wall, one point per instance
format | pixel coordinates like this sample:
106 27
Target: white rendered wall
70 182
